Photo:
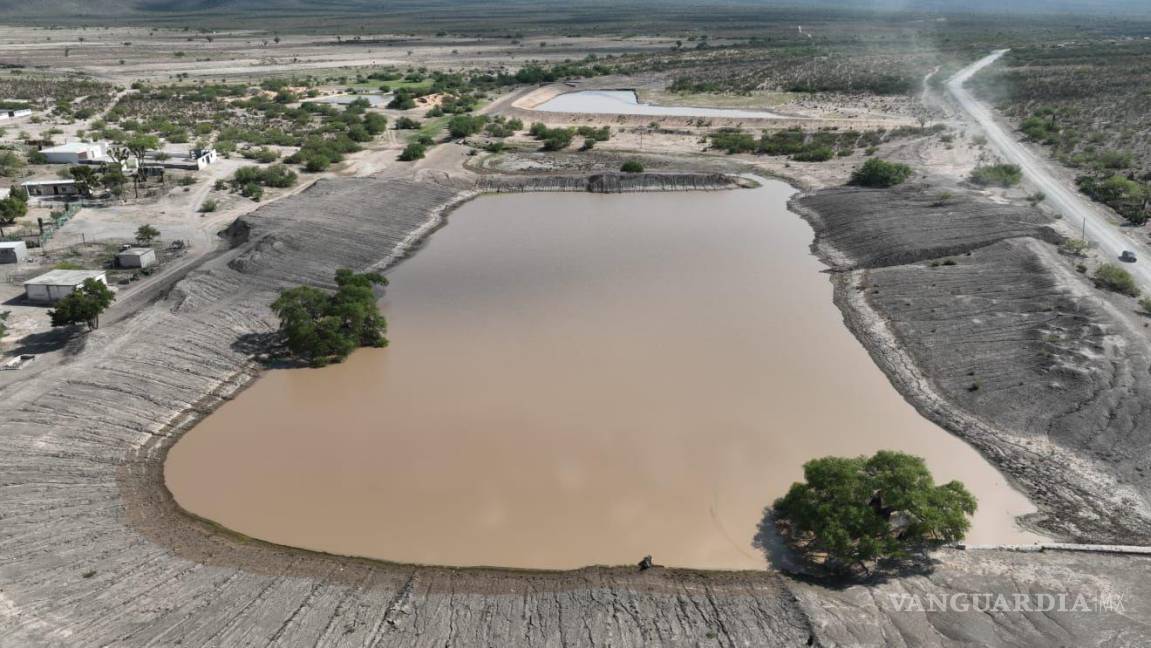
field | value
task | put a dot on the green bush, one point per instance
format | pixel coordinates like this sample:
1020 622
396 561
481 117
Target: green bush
880 173
407 123
1125 196
632 166
998 175
412 152
465 125
820 154
1111 277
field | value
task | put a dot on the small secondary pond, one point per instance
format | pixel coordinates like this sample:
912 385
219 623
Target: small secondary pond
573 379
625 102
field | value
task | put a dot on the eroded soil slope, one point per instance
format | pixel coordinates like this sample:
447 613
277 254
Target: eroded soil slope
980 321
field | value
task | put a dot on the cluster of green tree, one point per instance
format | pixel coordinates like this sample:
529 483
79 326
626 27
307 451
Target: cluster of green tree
592 135
880 173
407 123
501 126
816 146
320 327
536 73
1111 277
1130 198
261 154
14 206
317 153
415 150
386 74
853 511
92 179
251 180
1041 126
180 112
554 139
454 105
404 99
84 305
997 175
466 125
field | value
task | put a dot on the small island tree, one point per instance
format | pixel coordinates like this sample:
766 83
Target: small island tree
320 327
850 512
84 305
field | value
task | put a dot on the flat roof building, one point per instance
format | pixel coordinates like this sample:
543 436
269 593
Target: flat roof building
74 153
14 113
55 285
12 251
139 257
52 189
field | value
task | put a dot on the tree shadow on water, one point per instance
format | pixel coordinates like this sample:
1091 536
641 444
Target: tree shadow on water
785 558
267 349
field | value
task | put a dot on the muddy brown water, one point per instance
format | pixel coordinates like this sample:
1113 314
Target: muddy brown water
573 379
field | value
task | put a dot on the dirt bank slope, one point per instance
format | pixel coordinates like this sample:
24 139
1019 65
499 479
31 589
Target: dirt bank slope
988 330
94 553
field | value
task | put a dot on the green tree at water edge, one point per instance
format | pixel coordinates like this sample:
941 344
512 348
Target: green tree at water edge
321 327
850 512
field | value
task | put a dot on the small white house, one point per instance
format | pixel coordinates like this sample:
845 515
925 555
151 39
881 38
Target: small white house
75 153
53 286
7 114
12 251
52 189
139 257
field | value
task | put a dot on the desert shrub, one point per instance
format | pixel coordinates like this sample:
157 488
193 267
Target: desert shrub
465 125
1126 196
876 172
412 152
262 154
1111 277
632 166
733 140
998 175
820 154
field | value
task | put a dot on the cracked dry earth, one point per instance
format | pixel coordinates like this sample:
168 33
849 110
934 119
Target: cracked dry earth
93 552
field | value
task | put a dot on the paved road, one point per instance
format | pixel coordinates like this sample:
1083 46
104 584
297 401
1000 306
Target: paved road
1110 240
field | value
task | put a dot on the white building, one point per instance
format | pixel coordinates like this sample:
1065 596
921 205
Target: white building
139 257
6 114
53 286
52 189
12 251
75 153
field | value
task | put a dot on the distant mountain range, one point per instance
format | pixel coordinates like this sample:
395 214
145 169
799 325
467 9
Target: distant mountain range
106 9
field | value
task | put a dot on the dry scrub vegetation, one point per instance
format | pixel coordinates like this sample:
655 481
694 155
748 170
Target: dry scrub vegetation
1088 104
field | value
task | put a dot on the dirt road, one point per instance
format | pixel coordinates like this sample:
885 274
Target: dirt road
1094 221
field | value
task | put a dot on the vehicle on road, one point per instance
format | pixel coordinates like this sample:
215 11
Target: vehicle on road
1128 257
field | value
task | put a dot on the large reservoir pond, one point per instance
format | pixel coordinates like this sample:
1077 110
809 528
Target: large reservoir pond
573 379
625 102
